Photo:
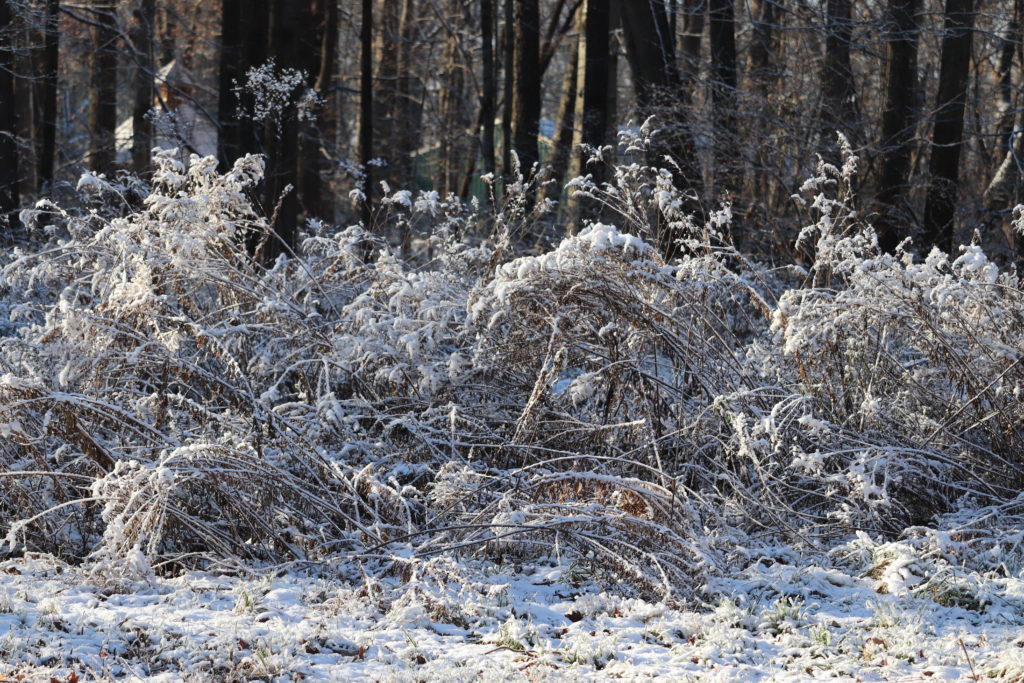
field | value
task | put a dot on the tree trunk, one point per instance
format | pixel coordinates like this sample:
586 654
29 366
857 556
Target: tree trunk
231 67
1004 190
454 114
565 123
1004 72
761 67
410 96
508 37
660 92
947 135
244 38
318 133
318 58
899 120
659 85
764 69
26 112
553 36
294 44
611 135
47 118
488 97
385 92
672 8
281 139
168 36
142 42
694 15
592 98
102 86
9 196
722 36
839 111
593 66
366 110
527 90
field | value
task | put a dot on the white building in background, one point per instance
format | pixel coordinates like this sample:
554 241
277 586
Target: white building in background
177 120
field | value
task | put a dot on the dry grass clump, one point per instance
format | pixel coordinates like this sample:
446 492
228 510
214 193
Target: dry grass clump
164 394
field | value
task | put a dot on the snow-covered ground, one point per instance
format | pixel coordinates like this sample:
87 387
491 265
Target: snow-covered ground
866 611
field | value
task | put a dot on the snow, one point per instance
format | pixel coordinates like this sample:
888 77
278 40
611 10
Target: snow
868 611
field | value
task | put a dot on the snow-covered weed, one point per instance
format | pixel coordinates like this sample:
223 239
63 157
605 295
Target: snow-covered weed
167 400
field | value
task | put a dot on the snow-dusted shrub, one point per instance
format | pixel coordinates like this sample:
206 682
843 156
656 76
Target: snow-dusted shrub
157 358
162 393
911 369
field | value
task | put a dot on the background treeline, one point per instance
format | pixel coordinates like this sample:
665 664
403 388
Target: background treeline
747 94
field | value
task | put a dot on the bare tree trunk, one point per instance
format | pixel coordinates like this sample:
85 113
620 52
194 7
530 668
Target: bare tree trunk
26 110
295 43
592 98
410 96
489 96
313 133
509 89
555 31
660 92
839 110
1005 187
9 195
385 92
899 121
762 69
947 136
329 46
244 41
1011 42
611 135
1004 190
454 116
565 123
102 85
167 35
142 41
526 100
672 8
366 110
722 35
281 139
695 13
229 145
659 85
593 63
319 133
48 94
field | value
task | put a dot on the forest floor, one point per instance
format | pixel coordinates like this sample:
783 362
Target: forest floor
866 611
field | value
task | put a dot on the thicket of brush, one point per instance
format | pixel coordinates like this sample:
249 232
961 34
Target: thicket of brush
165 397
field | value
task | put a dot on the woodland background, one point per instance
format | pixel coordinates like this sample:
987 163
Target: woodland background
515 330
746 95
